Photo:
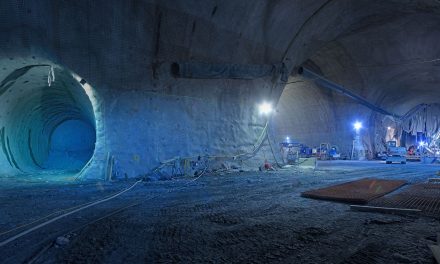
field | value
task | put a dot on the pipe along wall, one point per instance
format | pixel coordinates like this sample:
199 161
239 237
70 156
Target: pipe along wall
45 124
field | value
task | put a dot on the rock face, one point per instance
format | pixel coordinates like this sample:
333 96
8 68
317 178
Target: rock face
120 53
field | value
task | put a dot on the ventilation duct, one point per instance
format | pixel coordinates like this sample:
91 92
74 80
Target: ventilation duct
320 80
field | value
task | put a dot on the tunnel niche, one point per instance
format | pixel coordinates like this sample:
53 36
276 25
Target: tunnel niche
47 123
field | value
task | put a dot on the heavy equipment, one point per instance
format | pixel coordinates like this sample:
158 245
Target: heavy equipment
395 154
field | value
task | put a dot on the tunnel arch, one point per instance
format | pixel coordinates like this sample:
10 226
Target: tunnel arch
114 56
394 69
48 121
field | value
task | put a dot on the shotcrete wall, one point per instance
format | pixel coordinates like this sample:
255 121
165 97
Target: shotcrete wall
122 49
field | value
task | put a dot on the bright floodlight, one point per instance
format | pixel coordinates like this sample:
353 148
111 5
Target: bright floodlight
388 128
265 108
357 125
287 139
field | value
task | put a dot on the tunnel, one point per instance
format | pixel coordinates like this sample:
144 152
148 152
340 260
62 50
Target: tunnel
387 76
47 122
208 131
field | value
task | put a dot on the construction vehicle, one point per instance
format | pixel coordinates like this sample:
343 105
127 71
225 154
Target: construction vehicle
395 154
334 153
291 152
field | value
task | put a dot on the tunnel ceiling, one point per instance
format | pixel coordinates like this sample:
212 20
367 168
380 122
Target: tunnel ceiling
388 54
395 64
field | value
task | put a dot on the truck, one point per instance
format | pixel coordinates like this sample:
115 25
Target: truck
396 154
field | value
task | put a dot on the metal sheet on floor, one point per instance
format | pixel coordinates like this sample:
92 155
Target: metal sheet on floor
422 196
358 192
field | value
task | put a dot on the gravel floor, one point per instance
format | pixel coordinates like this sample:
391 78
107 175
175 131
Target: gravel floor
247 217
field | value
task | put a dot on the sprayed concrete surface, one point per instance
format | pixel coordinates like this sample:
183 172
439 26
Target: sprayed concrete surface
385 51
237 217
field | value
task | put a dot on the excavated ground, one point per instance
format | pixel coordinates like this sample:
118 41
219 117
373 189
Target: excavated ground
240 217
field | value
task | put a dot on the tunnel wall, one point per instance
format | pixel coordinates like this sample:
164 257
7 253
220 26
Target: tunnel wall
311 115
146 115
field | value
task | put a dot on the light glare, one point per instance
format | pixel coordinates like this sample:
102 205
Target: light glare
357 125
265 108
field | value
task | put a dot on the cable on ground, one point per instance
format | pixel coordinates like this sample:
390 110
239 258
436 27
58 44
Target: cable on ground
9 240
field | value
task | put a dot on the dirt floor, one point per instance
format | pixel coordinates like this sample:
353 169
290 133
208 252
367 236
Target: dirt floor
240 217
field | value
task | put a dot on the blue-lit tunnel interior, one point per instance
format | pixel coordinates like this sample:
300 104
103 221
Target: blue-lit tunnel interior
44 127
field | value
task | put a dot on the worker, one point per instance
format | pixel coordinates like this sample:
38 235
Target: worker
267 166
411 150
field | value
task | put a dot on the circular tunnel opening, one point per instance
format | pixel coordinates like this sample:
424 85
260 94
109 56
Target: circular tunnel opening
48 122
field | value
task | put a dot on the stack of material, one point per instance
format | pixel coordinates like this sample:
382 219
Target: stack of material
359 192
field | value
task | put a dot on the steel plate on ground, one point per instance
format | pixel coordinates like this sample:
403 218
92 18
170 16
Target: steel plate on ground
422 196
359 191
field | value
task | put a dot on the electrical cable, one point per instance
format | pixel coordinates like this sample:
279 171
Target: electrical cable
113 213
7 241
271 149
143 200
54 213
34 258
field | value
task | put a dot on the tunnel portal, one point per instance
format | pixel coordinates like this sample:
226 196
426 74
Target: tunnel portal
47 121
